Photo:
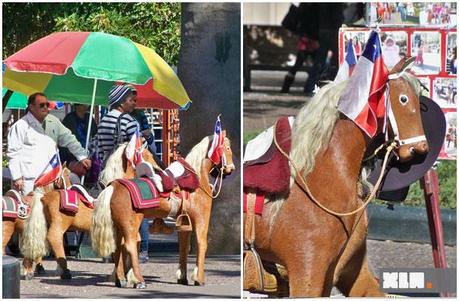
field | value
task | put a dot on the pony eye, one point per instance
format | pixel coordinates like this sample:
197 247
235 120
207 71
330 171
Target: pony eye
403 99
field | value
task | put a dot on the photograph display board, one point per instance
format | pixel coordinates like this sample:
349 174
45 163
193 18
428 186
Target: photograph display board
435 52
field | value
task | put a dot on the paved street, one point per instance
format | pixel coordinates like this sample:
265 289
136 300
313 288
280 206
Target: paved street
90 280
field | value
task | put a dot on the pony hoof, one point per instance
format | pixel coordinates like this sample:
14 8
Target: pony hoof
183 281
121 283
140 285
197 283
28 276
66 275
40 270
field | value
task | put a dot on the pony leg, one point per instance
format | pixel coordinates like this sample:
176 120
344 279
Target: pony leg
27 264
55 238
8 230
118 258
356 280
39 269
131 247
184 250
201 238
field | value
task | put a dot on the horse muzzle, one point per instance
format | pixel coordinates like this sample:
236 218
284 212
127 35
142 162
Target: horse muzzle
229 168
406 152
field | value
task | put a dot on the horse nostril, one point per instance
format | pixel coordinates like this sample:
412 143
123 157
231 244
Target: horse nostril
412 150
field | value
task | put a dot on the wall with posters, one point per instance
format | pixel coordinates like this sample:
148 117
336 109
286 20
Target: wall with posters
435 50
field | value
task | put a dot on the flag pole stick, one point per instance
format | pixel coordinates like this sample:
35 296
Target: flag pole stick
90 120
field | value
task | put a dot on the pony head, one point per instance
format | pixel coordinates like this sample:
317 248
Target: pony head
405 115
227 163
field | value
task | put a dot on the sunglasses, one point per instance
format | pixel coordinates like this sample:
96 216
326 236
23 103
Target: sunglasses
44 105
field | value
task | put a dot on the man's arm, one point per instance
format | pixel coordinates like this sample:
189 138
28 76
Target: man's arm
15 144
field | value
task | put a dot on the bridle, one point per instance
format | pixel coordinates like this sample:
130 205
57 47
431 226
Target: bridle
393 122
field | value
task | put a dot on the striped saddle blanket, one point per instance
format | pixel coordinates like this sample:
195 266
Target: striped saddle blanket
71 196
12 204
143 192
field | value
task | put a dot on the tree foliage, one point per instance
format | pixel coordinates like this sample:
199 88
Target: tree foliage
156 25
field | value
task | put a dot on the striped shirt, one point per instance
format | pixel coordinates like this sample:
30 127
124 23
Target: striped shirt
106 132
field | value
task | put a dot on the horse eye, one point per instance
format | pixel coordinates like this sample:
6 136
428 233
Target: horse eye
403 99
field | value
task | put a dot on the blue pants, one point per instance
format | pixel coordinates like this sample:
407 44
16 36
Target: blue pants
144 235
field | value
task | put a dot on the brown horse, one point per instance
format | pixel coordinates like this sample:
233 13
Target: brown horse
316 249
115 211
16 225
51 223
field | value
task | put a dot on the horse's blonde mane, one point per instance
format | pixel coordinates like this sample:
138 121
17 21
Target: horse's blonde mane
198 153
113 169
314 125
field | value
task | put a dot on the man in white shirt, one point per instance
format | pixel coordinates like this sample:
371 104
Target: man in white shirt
32 143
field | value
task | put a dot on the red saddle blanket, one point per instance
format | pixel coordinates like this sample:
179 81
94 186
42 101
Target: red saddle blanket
70 198
10 204
9 207
143 192
271 172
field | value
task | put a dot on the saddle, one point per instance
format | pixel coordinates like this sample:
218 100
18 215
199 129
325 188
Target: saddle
179 174
270 173
15 205
70 198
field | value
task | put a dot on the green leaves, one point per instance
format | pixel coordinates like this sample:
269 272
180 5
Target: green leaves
156 25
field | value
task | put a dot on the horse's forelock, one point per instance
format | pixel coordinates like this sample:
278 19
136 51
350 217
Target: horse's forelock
413 81
314 126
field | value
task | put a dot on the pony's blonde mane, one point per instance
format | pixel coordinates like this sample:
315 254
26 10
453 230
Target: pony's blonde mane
113 169
314 126
198 153
413 81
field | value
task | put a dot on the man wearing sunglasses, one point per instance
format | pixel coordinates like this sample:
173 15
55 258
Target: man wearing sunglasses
33 141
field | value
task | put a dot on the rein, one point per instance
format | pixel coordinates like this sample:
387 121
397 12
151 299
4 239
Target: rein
216 180
301 181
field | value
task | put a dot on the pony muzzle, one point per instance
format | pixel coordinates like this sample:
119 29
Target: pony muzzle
407 151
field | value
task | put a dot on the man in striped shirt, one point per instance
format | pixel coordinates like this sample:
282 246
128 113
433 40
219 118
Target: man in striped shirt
121 102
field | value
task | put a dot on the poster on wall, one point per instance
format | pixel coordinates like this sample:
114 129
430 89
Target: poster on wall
444 92
358 38
425 47
413 13
393 47
449 149
451 53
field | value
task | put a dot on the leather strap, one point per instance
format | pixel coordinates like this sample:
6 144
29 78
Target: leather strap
249 224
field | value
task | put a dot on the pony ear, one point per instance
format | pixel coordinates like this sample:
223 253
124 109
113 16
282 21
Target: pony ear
404 64
224 133
64 165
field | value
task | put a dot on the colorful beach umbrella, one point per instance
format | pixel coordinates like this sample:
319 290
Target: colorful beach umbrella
64 65
80 67
19 101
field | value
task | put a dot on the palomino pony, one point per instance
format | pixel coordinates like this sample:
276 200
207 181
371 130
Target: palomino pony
16 225
316 249
115 218
49 223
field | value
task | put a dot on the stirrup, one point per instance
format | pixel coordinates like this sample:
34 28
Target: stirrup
183 223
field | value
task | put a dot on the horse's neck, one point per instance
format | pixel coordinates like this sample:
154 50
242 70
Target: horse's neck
341 160
206 167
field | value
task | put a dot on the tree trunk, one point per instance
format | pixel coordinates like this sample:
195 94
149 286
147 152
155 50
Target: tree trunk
209 68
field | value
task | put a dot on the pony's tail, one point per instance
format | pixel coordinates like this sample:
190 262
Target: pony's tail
33 241
102 229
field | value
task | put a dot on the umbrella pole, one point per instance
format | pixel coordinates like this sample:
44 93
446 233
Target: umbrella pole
5 99
90 120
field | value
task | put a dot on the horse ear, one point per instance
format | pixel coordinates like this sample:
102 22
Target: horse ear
64 165
404 64
224 133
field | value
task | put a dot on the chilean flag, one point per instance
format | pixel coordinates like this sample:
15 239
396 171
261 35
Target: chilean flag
51 172
346 68
216 149
363 99
132 151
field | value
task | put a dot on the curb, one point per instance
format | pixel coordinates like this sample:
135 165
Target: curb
408 224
